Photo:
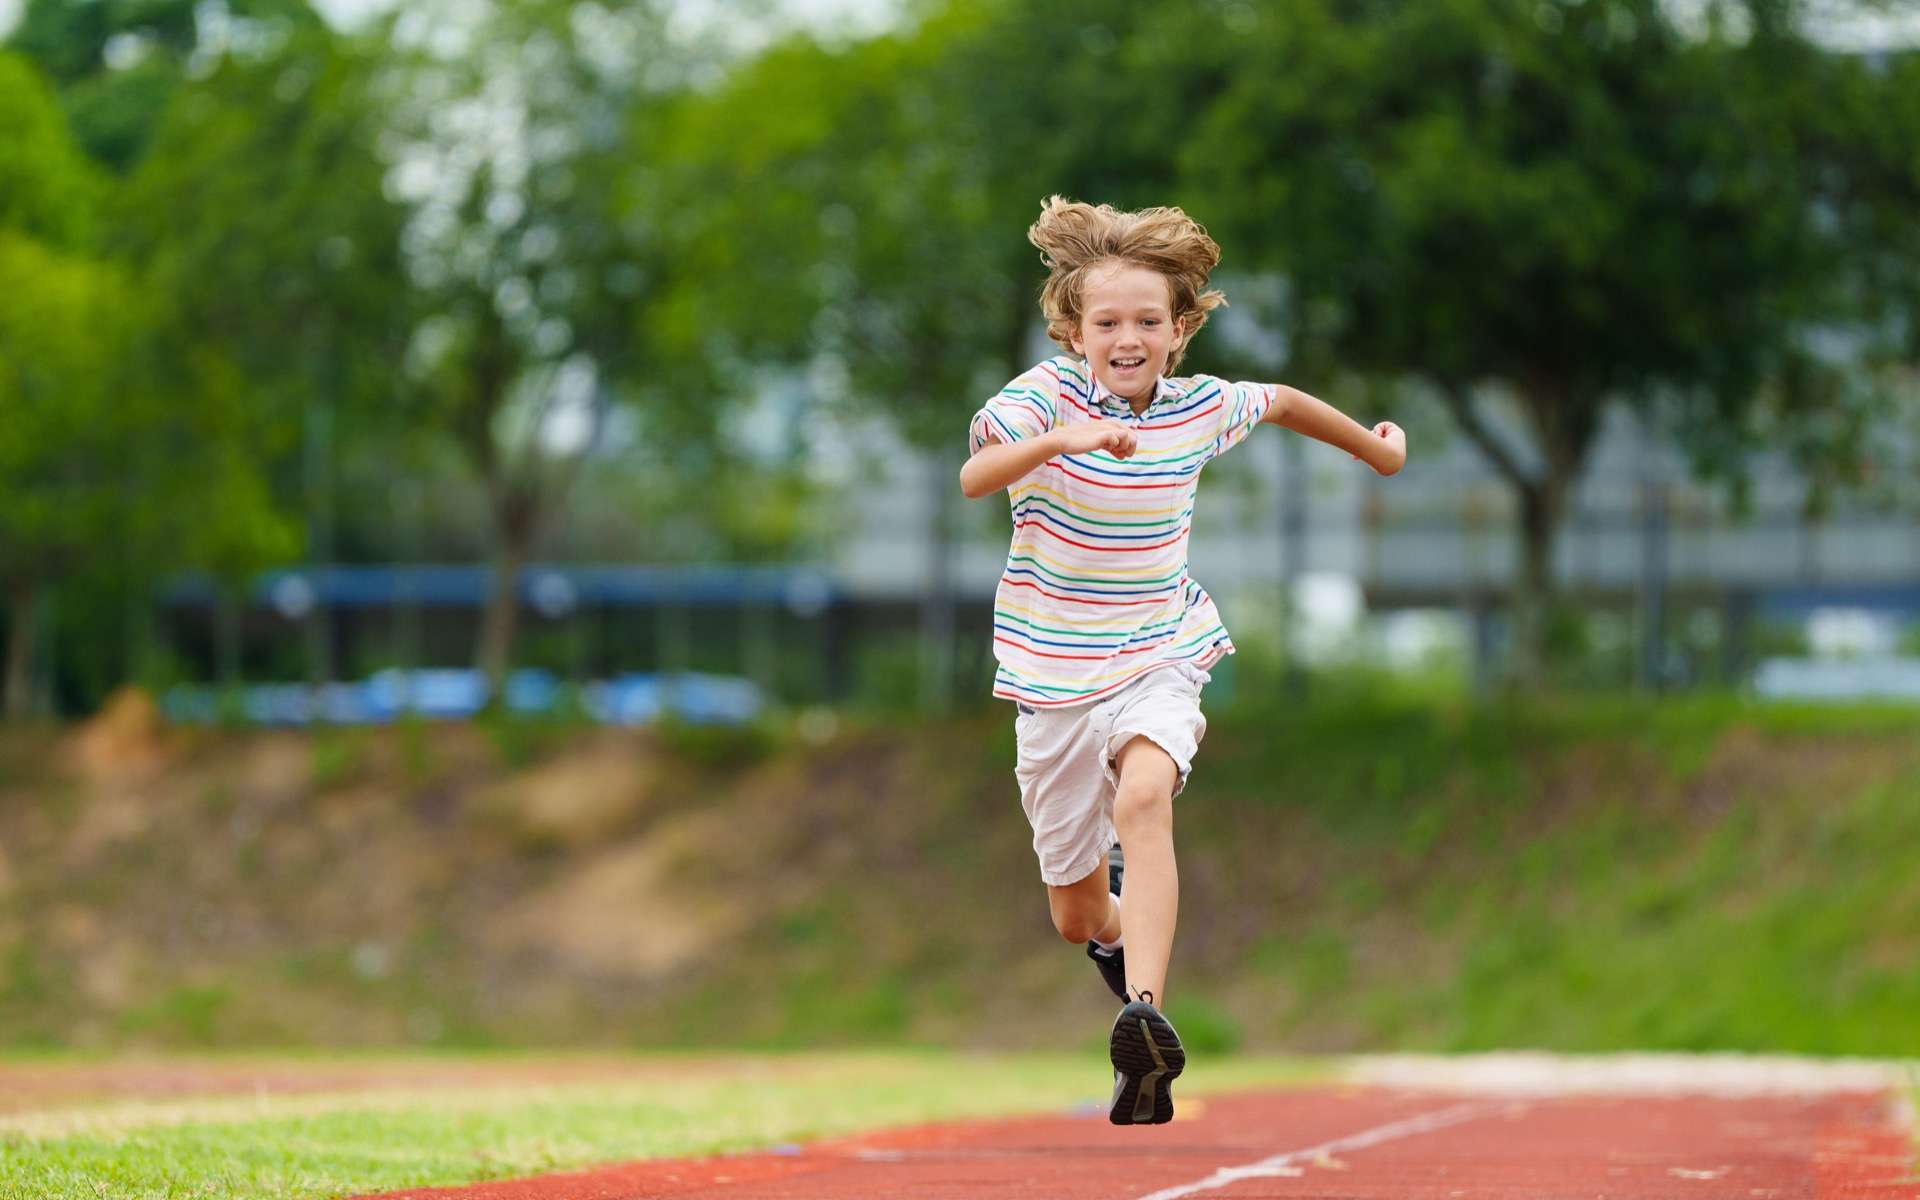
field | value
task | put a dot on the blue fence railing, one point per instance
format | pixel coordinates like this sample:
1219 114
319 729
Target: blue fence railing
635 699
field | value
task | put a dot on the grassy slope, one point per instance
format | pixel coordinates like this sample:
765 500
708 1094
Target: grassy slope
1690 877
1694 876
1357 874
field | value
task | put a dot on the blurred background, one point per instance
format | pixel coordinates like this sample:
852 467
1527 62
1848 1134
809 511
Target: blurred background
483 562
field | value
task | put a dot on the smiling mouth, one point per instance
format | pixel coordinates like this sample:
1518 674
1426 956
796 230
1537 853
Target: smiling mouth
1127 364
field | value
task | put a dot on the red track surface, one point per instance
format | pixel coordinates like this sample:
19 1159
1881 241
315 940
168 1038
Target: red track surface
1354 1144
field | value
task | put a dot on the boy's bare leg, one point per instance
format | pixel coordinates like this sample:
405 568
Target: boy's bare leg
1143 816
1085 909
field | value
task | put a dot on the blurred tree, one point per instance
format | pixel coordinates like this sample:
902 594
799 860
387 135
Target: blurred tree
1841 126
59 319
117 63
260 225
47 191
1548 207
861 210
887 185
233 100
123 451
53 303
533 247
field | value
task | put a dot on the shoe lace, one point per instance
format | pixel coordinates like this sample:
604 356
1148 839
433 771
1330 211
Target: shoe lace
1143 996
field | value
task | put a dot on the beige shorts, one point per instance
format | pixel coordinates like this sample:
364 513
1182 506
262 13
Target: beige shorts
1066 762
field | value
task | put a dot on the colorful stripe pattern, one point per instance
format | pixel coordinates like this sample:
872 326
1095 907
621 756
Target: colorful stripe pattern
1096 590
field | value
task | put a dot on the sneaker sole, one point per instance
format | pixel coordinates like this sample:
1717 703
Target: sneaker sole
1147 1057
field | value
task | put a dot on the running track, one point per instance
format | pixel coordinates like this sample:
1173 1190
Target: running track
1353 1143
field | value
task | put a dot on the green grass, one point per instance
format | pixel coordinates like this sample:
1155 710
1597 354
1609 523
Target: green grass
292 1147
1579 874
1760 927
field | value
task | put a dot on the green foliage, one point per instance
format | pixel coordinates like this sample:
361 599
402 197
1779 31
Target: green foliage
73 433
119 63
541 272
190 1015
131 447
1737 906
62 331
721 745
1560 208
1599 198
113 112
420 766
1556 208
339 756
261 218
70 40
46 189
300 252
1380 873
886 677
26 979
111 473
260 221
893 180
1205 1027
521 740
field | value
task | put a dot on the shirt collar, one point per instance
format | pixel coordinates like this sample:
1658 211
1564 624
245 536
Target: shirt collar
1106 401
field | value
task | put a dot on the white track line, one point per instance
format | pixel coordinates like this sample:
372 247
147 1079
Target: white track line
1283 1164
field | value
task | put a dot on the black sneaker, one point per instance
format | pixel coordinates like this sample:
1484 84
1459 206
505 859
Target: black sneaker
1147 1056
1112 963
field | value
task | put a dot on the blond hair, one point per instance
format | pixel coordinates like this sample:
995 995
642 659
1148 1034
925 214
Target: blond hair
1074 237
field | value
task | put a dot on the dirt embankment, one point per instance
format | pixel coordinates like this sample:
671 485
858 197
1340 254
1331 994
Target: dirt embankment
417 885
475 885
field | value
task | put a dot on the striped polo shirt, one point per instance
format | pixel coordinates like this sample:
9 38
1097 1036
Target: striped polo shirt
1096 590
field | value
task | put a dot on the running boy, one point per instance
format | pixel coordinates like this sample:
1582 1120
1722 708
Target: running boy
1102 639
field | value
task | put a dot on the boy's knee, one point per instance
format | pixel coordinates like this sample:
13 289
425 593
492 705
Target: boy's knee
1148 776
1079 918
1142 802
1078 927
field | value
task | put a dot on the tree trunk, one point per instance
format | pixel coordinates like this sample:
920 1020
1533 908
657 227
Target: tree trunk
318 467
937 600
1295 496
229 612
1541 505
1653 586
502 616
22 598
492 374
1563 422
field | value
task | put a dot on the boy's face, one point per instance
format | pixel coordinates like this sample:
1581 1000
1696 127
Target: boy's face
1127 331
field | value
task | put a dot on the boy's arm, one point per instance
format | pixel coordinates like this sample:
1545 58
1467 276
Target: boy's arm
1384 447
998 463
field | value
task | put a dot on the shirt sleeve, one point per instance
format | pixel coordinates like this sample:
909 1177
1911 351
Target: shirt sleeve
1245 405
1025 408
